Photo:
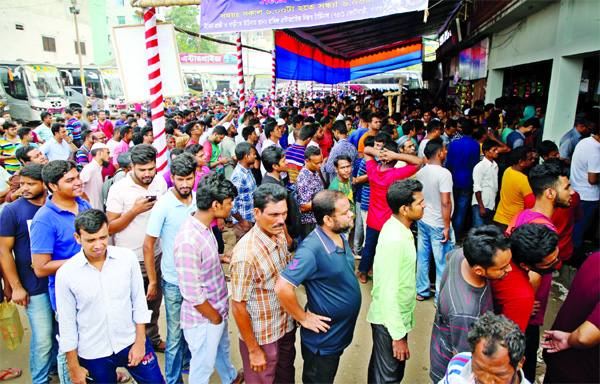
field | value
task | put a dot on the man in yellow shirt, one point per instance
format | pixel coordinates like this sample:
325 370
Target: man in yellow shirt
515 192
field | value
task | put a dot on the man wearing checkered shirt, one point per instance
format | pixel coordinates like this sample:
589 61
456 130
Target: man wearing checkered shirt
242 178
266 331
204 311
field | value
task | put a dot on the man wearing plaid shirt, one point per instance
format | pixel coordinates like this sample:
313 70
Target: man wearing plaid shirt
242 178
266 331
204 310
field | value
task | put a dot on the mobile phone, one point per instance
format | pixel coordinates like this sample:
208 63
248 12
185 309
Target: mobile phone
151 198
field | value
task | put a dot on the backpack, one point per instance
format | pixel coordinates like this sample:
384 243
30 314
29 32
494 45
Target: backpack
107 184
539 220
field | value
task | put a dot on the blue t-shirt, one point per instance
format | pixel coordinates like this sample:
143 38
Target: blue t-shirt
167 217
356 135
52 232
14 222
327 272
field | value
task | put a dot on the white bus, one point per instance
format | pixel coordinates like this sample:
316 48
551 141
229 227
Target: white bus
31 89
3 99
100 81
199 82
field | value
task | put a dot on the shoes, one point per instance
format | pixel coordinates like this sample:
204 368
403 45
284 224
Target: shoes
239 378
422 298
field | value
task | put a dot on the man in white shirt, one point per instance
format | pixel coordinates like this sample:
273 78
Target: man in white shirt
434 129
435 229
128 208
114 141
91 175
585 180
98 337
485 184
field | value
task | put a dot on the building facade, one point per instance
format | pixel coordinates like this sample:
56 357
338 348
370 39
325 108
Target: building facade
46 32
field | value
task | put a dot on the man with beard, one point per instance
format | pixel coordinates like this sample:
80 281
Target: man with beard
165 221
128 208
465 292
227 148
91 175
324 264
25 155
28 290
552 190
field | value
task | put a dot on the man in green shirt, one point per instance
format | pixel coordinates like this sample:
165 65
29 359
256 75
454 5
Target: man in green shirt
394 284
343 169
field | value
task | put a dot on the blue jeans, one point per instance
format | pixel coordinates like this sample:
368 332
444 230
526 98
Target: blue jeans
479 221
103 370
589 209
359 232
43 347
176 346
209 345
462 201
61 362
368 253
430 241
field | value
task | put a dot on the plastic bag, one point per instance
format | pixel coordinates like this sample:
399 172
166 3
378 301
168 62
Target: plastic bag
10 325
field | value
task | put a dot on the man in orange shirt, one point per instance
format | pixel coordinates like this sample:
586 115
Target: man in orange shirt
515 192
374 128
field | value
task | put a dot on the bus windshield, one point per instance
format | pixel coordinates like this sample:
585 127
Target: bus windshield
44 81
111 82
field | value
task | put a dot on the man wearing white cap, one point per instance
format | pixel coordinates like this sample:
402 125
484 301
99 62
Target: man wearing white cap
91 175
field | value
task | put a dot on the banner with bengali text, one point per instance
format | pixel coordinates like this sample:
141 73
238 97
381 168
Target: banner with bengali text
218 16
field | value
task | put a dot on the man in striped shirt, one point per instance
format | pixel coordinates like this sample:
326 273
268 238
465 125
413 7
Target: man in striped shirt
8 145
497 353
295 152
205 307
465 292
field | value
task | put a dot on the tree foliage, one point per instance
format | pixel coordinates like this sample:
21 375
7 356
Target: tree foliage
187 17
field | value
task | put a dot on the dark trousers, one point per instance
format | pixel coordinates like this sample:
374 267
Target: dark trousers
318 368
462 204
384 367
532 343
306 229
368 253
500 226
219 236
102 370
280 361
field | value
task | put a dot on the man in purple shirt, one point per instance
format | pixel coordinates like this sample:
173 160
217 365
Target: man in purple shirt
205 306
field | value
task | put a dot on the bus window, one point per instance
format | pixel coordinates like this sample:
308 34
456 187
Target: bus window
13 83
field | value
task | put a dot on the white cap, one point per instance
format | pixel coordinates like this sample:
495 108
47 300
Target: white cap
99 146
280 122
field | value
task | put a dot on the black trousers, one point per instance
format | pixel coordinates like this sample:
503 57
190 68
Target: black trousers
318 368
219 237
532 343
384 367
306 229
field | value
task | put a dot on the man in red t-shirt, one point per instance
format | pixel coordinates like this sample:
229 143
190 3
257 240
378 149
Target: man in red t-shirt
552 190
380 179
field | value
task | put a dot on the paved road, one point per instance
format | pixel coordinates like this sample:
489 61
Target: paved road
354 361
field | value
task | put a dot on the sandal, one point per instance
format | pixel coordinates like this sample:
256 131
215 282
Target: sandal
123 377
362 277
10 373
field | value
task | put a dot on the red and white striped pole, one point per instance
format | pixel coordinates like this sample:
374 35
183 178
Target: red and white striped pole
273 79
156 93
311 89
296 93
240 63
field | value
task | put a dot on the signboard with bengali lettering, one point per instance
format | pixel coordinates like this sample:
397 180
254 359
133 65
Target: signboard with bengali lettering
247 15
207 58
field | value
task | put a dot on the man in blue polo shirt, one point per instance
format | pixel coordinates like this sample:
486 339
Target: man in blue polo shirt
52 240
324 263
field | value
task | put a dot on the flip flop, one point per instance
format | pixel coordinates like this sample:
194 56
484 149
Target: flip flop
123 377
12 372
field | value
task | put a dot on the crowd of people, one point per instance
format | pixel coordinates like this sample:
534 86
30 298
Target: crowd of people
470 208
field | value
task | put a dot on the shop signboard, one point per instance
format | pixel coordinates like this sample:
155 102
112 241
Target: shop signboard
207 58
245 15
473 61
